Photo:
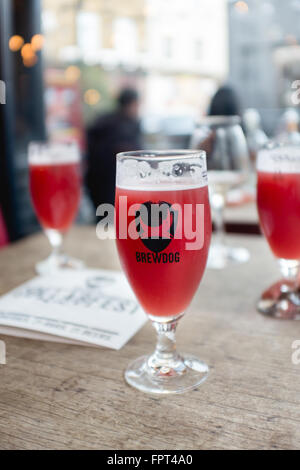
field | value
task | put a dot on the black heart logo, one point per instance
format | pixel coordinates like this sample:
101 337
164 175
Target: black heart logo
163 218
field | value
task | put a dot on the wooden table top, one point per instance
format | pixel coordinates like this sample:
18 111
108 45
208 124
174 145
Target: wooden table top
55 396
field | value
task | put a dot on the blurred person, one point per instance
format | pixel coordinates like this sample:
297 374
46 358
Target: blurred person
111 133
225 102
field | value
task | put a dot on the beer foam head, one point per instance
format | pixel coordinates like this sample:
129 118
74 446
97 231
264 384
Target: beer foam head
161 171
53 153
279 158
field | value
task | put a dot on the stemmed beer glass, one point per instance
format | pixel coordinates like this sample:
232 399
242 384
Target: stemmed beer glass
55 181
278 203
225 144
163 247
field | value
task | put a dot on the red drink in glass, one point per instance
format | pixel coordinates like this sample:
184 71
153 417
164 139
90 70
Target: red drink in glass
55 180
55 192
163 229
165 279
278 202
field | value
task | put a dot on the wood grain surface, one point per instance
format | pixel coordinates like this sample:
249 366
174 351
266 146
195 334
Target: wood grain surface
55 396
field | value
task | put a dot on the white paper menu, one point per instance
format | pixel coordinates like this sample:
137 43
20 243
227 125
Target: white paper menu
87 307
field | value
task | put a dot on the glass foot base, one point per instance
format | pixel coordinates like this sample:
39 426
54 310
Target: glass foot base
280 301
186 374
221 256
57 262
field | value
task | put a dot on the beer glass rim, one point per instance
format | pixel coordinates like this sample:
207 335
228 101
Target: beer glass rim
152 155
274 144
49 144
53 151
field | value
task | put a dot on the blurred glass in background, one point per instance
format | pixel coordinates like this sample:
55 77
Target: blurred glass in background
222 138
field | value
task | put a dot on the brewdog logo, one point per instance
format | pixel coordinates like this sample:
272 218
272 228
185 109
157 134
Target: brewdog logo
156 224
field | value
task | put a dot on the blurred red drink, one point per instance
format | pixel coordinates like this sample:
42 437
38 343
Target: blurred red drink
278 202
164 275
55 192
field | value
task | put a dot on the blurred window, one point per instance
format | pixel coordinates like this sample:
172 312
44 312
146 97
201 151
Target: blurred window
49 21
88 31
198 49
248 50
125 36
167 47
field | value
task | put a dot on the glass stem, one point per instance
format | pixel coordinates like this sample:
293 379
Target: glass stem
165 358
290 270
218 205
56 241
